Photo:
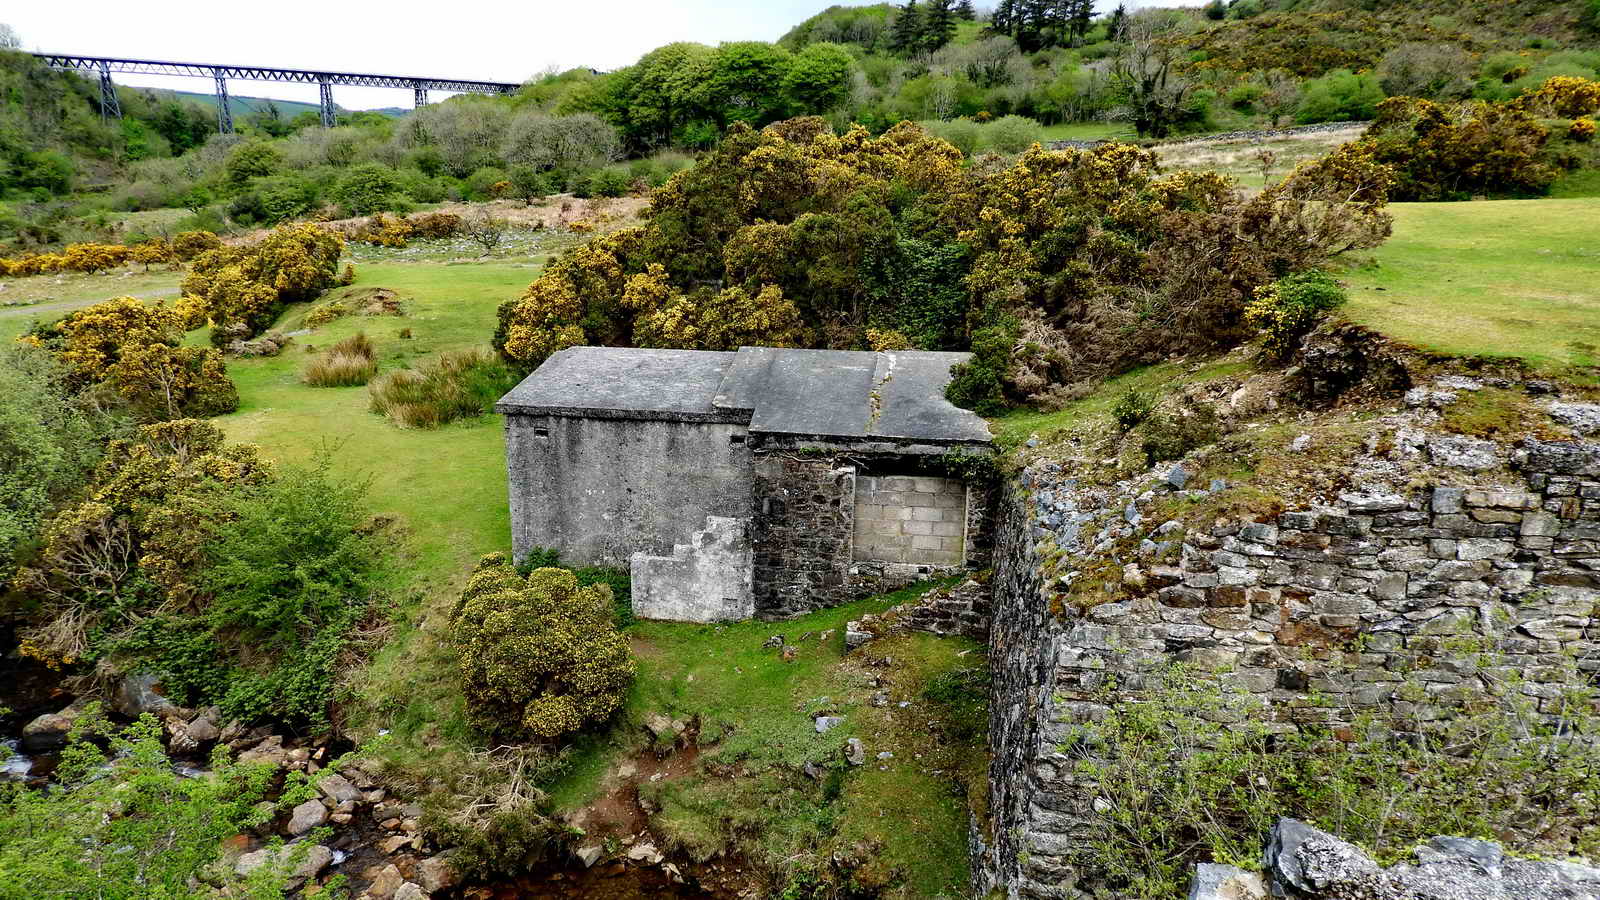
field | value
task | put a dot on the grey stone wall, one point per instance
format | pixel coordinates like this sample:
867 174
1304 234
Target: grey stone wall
805 526
910 519
600 490
1320 613
707 579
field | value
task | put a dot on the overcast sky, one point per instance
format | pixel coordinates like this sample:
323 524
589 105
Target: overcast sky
457 38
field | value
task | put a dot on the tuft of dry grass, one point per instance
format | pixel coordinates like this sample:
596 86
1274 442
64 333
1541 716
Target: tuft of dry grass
457 385
351 362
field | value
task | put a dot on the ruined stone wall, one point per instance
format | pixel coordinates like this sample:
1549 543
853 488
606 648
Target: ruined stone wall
1320 613
804 534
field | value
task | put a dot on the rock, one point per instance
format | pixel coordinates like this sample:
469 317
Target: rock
646 854
1217 484
385 882
139 694
773 643
1177 477
853 635
438 873
1463 453
855 752
1304 862
338 788
1582 418
589 855
410 891
269 751
826 724
660 727
1213 881
1300 444
48 732
316 859
202 730
306 816
1306 859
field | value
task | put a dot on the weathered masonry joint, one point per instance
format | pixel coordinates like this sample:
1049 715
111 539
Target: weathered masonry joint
766 482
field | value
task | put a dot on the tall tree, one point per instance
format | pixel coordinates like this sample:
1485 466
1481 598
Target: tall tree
1080 15
939 25
1004 18
907 30
1144 73
1119 21
965 12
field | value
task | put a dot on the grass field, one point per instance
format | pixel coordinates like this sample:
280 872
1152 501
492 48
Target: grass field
1088 131
1502 278
48 297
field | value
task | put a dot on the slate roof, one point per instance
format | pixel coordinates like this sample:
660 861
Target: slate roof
892 395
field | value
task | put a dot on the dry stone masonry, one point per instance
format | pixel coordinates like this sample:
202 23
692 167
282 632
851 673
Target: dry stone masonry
1320 613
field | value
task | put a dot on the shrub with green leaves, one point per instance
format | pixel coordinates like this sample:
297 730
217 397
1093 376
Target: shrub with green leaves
540 655
48 441
123 825
1131 408
1290 307
1193 773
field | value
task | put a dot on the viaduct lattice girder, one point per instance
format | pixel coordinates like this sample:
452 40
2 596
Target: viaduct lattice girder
96 64
103 66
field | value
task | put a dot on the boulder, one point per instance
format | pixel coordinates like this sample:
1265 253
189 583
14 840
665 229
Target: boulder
48 732
317 858
855 752
646 854
589 855
1213 881
139 694
385 882
1582 418
411 891
828 723
203 731
306 816
338 789
1309 864
438 873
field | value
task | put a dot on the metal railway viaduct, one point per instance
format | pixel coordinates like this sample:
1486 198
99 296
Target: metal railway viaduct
104 66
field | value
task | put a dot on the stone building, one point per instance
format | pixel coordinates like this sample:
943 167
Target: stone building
766 482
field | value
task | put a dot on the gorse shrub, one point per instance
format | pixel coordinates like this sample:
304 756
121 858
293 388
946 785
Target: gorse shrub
797 236
352 361
240 291
540 655
131 351
458 384
1290 307
620 581
1131 408
1453 151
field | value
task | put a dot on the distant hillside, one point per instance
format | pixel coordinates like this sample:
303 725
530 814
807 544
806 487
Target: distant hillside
1312 37
288 109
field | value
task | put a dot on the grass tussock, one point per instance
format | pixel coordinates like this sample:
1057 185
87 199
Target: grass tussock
353 361
457 385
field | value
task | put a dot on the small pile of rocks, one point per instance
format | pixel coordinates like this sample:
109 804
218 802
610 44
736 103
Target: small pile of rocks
1305 863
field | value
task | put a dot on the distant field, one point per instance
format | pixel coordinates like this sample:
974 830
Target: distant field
1088 131
1241 158
1509 278
50 297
